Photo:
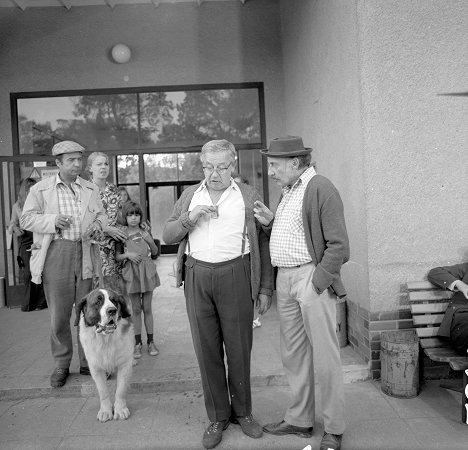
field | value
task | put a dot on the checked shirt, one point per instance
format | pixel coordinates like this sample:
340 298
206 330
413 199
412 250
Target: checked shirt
288 247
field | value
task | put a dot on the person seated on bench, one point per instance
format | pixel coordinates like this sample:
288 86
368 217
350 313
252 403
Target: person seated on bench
455 322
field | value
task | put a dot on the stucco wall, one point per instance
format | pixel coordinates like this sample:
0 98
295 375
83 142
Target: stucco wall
322 98
218 42
362 85
415 140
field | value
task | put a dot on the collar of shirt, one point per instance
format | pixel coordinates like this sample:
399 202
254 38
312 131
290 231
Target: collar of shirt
77 182
305 177
233 185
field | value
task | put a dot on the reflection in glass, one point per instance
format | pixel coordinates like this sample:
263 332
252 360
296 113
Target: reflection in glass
190 167
160 167
161 201
250 167
127 169
98 122
191 118
163 167
134 193
163 119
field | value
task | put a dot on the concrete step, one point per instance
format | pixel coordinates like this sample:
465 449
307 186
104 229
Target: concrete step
147 380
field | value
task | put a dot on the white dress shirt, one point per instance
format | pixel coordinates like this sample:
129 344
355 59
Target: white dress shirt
218 239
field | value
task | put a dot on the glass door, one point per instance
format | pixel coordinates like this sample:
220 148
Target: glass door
161 200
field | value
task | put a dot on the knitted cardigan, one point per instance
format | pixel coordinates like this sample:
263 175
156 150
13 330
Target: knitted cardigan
325 232
179 225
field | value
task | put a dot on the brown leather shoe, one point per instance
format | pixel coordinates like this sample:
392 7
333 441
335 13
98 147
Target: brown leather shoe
249 426
283 428
59 377
214 433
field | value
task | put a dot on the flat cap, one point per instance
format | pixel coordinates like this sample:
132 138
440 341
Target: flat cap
66 147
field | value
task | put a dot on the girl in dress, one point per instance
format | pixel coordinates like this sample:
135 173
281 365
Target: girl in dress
139 273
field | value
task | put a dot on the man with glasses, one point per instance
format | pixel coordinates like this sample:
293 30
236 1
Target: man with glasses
227 268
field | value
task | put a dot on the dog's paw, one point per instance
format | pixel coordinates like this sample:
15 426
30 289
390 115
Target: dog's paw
134 362
121 413
104 415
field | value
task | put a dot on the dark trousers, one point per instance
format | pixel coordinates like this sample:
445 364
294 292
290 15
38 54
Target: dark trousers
220 311
33 293
459 331
64 285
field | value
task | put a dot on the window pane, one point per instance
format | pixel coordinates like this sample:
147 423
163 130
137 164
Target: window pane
127 169
250 167
160 167
134 193
161 201
166 119
191 118
98 122
190 167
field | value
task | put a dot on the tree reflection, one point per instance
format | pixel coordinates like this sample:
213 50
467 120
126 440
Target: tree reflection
143 120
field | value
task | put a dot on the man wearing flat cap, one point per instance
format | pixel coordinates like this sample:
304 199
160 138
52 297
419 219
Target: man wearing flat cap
63 212
308 245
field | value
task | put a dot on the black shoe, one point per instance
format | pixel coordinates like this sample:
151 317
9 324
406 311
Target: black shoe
214 433
84 370
283 428
249 425
59 377
331 441
41 307
25 308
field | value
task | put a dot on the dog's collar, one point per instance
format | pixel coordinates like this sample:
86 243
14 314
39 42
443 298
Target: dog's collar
106 329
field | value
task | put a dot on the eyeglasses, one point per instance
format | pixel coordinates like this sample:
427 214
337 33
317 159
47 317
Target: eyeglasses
220 170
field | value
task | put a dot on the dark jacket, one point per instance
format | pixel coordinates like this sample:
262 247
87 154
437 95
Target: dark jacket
443 277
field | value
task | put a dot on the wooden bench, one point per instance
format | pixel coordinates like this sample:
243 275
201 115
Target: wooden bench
428 304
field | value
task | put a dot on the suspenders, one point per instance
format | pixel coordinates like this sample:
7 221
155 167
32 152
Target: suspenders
244 238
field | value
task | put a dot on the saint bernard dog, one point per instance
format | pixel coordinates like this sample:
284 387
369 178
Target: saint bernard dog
107 337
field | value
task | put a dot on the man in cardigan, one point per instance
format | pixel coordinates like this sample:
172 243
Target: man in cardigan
227 269
454 325
308 245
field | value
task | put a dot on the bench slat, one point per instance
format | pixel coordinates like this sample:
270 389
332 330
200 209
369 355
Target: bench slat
428 308
428 319
427 332
418 296
420 285
433 342
460 363
444 354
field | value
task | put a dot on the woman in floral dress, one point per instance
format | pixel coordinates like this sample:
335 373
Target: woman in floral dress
98 168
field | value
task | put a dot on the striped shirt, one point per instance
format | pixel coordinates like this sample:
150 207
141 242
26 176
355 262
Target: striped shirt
288 247
69 201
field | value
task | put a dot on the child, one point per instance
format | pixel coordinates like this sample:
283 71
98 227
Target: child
139 272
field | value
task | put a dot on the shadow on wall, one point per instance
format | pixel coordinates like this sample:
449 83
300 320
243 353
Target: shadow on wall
356 282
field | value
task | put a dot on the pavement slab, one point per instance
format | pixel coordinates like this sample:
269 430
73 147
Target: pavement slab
176 420
27 362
